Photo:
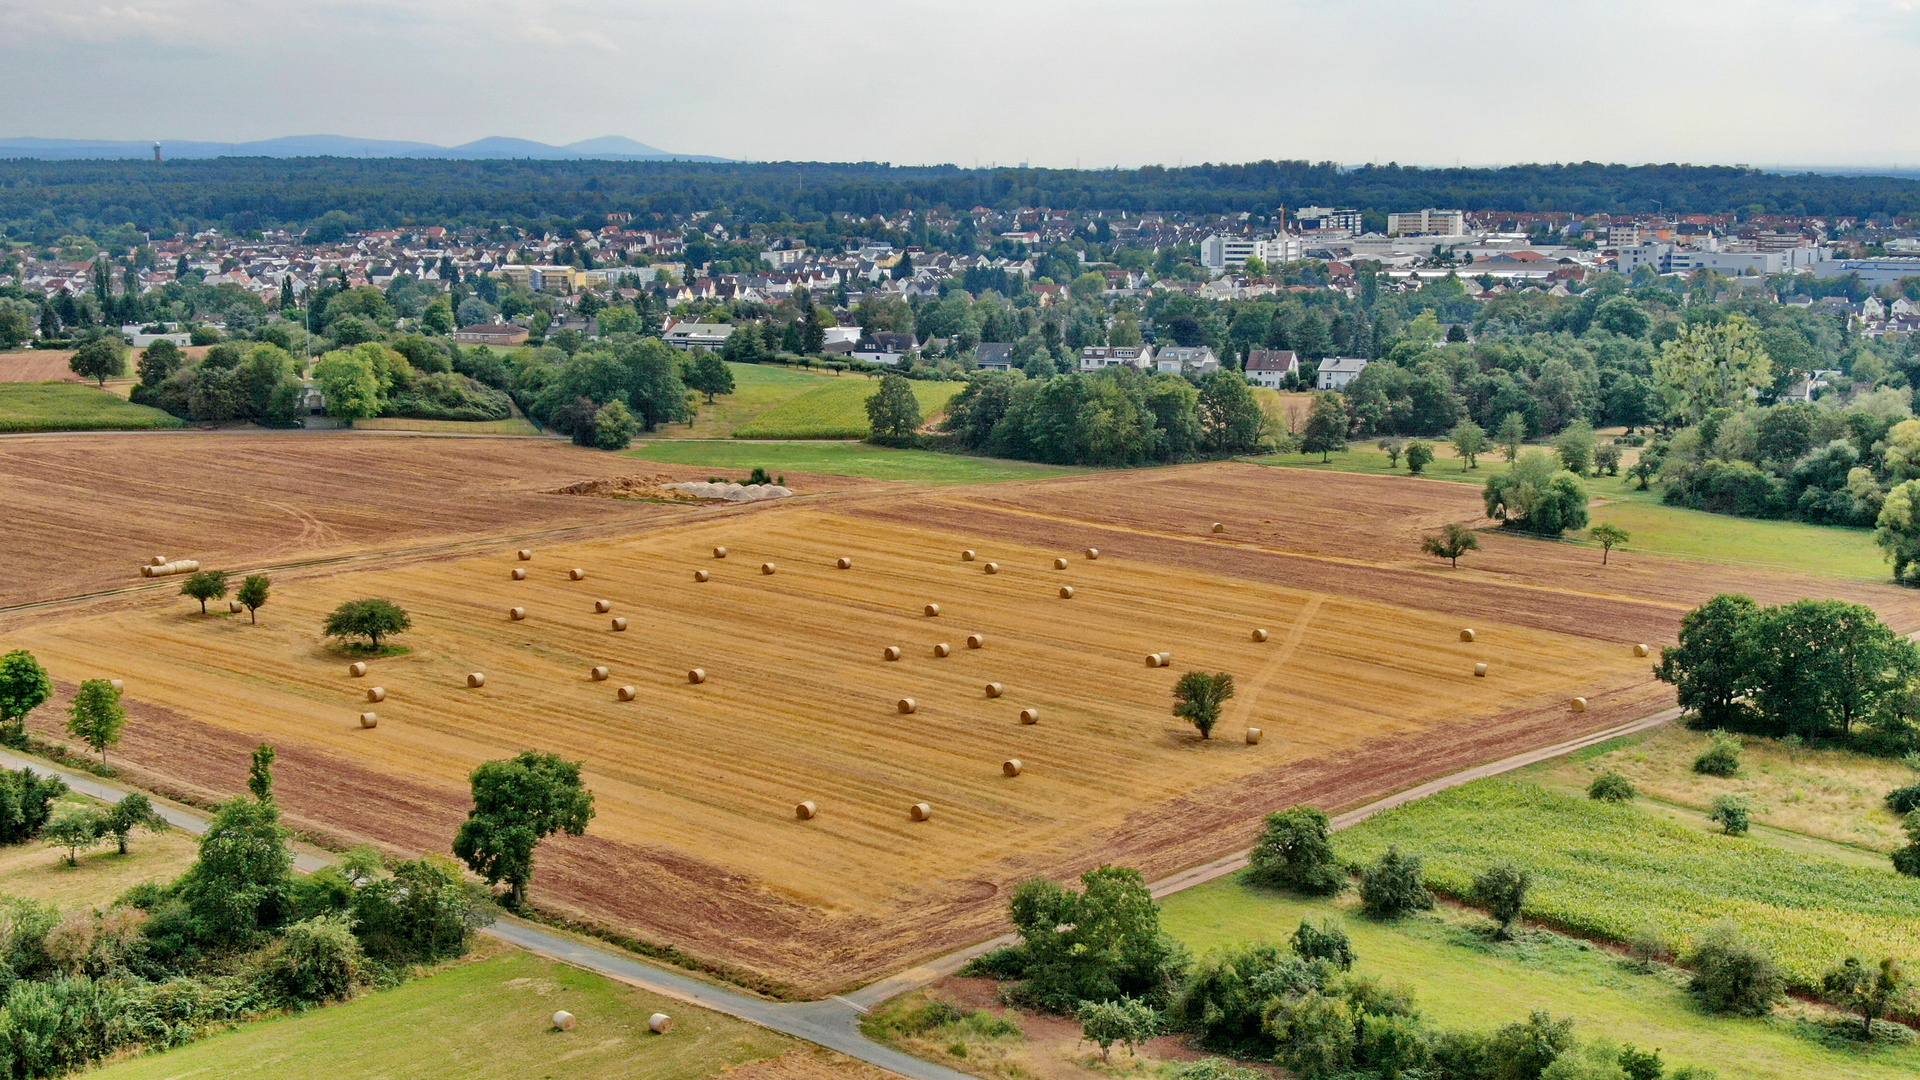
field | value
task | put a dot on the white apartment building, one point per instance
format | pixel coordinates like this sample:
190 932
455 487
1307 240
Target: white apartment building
1220 252
1428 223
1337 371
1328 217
1669 259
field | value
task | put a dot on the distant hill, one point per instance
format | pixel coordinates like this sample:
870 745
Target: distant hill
605 148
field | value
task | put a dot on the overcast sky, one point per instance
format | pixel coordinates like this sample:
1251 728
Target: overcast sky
1054 82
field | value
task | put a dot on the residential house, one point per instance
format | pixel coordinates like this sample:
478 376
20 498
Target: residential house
1337 371
499 334
696 335
885 347
1096 357
993 356
1270 367
1181 360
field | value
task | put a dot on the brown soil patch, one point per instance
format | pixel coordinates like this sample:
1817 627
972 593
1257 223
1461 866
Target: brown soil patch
627 487
48 365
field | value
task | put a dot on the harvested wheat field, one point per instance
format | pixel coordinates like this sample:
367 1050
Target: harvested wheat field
86 510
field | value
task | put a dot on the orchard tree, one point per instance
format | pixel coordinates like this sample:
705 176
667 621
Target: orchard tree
74 828
1511 433
1127 1020
1419 456
1469 441
253 595
1391 448
370 619
1607 536
204 586
133 811
1870 992
1198 698
96 716
1502 890
24 687
100 359
517 804
1296 853
1451 543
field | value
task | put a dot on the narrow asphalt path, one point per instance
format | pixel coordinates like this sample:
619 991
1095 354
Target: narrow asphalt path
835 1022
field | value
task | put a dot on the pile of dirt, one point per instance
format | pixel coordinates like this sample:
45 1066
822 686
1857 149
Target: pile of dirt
654 486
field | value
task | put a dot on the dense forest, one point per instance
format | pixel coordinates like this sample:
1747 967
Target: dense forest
263 193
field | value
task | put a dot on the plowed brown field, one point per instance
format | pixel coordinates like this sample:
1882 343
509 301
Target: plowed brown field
1362 689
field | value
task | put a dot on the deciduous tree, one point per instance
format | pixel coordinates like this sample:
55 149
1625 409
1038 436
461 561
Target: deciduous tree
1296 853
1326 427
24 687
1502 890
893 413
372 619
1869 991
100 359
1607 536
1199 696
1450 543
1469 441
204 586
133 811
516 804
253 593
96 716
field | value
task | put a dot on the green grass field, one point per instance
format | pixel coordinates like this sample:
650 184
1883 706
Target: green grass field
491 1018
59 406
837 410
845 459
1464 980
1606 871
757 388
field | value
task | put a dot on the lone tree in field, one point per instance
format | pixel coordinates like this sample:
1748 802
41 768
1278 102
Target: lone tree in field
1419 456
1606 536
1394 886
132 812
516 804
370 619
1295 853
1611 787
1502 890
893 412
253 594
1868 991
204 586
1469 441
1326 428
1451 543
710 375
96 716
74 828
1198 696
24 687
1391 448
99 360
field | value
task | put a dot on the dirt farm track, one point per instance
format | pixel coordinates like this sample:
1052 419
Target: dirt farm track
1362 687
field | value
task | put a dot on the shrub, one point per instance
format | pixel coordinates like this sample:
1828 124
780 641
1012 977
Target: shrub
1328 942
1732 813
1731 975
1128 1021
1722 758
1502 890
614 427
1296 854
316 960
1648 946
1611 787
423 912
1392 886
1904 800
1223 1002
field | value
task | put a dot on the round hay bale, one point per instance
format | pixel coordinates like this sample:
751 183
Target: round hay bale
119 685
1011 767
906 705
1253 736
1219 528
967 555
992 568
920 811
697 675
1029 716
1641 650
601 607
519 574
1066 592
619 623
1093 553
1059 564
1466 635
576 574
1166 658
625 693
368 720
892 652
931 610
157 560
476 679
598 674
525 554
1480 670
701 575
766 568
1579 704
564 1020
843 563
516 613
661 1023
719 553
976 641
235 607
994 689
357 669
942 650
805 810
147 571
376 693
1260 635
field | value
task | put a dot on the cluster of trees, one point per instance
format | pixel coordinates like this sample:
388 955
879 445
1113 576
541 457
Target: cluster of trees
1119 416
1813 669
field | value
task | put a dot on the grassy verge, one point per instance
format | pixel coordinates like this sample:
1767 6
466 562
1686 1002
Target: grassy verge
845 459
39 872
837 410
1607 871
1465 980
60 406
492 1017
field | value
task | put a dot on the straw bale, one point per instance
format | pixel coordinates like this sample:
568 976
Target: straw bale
517 613
1059 564
931 609
376 693
368 720
601 607
843 563
1219 528
563 1020
942 649
1066 592
1011 767
625 693
701 575
1579 704
576 574
994 689
967 555
525 554
766 568
906 705
357 669
892 652
1480 670
1093 553
1253 736
147 571
920 811
697 675
1641 650
1466 635
619 623
976 641
661 1023
719 553
235 607
1159 659
157 560
805 810
1029 716
599 674
519 574
476 680
1260 635
992 568
119 685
